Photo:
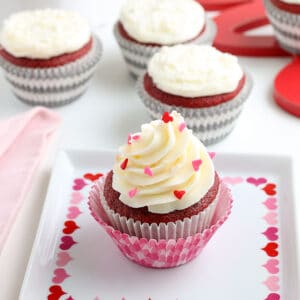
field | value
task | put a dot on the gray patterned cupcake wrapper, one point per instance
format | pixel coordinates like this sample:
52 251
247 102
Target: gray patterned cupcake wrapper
53 86
209 124
286 27
137 55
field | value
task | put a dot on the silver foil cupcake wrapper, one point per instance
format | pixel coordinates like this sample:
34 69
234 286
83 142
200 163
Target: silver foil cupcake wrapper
53 86
286 27
209 124
172 230
137 55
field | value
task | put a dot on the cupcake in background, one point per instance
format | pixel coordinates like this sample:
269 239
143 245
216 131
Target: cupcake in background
284 16
145 26
48 55
206 86
163 199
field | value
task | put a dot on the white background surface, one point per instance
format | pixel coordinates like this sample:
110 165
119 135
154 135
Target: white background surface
111 109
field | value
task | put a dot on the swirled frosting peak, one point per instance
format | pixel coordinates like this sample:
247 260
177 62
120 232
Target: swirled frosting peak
164 167
42 34
163 22
194 71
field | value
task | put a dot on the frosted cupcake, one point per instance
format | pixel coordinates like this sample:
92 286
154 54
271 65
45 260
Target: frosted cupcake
163 190
145 26
206 86
284 16
48 56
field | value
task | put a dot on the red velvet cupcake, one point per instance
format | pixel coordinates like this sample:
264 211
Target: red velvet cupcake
145 26
48 55
284 16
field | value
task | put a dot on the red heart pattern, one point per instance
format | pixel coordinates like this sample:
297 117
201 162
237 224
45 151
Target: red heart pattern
179 194
271 249
55 292
66 242
270 189
166 117
92 177
70 227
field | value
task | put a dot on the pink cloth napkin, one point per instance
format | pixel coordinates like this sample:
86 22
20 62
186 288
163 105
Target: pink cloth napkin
23 143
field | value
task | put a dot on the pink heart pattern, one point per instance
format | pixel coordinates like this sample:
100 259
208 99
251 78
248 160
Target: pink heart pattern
76 198
271 218
270 203
233 180
74 212
256 181
273 296
60 275
79 184
63 258
271 233
67 242
212 154
272 283
272 266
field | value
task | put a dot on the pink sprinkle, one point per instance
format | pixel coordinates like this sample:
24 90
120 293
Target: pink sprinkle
136 137
212 154
148 171
196 164
129 139
132 192
182 126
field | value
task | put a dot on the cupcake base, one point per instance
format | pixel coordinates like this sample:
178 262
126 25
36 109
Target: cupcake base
164 253
53 86
209 124
137 55
286 27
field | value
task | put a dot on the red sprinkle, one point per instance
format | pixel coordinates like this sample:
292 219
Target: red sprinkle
179 194
166 117
123 165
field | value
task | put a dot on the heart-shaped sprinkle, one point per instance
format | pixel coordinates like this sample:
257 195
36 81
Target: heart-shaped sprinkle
55 292
270 189
181 126
70 227
92 177
196 164
148 171
60 275
179 194
166 117
132 192
123 165
136 137
271 249
212 154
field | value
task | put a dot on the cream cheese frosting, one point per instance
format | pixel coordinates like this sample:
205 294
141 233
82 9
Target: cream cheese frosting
291 1
164 167
164 22
194 71
42 34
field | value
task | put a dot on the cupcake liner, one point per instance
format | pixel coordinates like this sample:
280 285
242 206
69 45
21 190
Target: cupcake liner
164 253
53 86
286 27
209 124
137 55
171 230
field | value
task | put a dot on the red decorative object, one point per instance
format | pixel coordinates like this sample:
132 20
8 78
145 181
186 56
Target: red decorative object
287 88
220 4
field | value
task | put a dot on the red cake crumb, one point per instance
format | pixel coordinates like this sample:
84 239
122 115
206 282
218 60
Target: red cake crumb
197 102
142 214
126 36
55 61
289 7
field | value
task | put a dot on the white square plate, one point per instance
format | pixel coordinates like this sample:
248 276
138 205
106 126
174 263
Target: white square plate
251 257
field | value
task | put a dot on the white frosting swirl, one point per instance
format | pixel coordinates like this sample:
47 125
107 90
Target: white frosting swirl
291 1
168 152
194 71
42 34
163 22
